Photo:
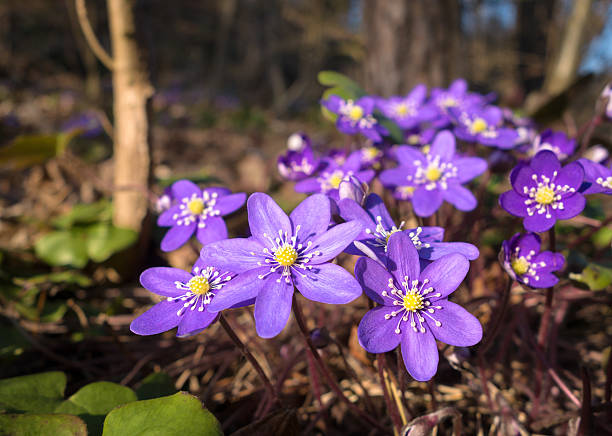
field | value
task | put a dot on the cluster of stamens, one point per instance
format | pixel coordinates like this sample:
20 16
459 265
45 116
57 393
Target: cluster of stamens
405 109
354 113
606 183
198 207
478 126
199 289
405 192
287 255
331 180
434 173
414 303
523 266
546 196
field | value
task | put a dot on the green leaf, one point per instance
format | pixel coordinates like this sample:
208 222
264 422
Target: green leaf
93 401
177 415
596 277
85 214
61 277
44 424
155 385
62 248
29 150
395 133
104 240
40 393
333 78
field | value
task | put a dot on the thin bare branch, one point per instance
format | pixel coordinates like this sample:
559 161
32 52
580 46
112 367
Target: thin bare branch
90 36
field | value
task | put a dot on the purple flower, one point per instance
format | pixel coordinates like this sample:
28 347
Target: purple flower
356 117
197 211
597 178
419 137
329 179
164 202
188 296
299 161
456 96
483 125
283 252
606 97
437 175
414 309
408 112
378 228
87 124
523 261
544 192
370 156
557 142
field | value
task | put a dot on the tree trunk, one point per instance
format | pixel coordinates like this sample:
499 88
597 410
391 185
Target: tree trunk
131 93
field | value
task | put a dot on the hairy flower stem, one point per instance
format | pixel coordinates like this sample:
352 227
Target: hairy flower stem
397 421
322 367
546 316
246 353
496 321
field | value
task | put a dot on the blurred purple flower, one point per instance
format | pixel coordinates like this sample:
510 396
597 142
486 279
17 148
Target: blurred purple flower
437 175
557 142
597 178
331 175
356 117
413 308
197 211
87 124
606 97
483 125
299 161
164 202
370 156
408 112
521 258
544 192
283 252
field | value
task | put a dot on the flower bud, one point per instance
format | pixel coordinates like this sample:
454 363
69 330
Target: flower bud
320 337
353 189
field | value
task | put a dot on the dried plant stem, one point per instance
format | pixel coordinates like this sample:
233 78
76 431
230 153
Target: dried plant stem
322 367
397 421
246 353
546 316
496 322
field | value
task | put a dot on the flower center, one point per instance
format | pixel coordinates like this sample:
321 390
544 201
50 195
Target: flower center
286 255
370 153
198 285
355 113
479 125
335 180
405 191
545 195
392 231
433 173
449 101
196 206
520 265
413 302
402 109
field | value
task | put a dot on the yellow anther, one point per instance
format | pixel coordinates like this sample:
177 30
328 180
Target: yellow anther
392 231
520 265
545 195
402 109
433 173
413 302
335 180
425 149
406 190
198 285
478 125
196 206
356 113
371 152
286 255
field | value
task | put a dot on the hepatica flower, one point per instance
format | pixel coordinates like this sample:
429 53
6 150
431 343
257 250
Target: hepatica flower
356 117
557 142
299 161
188 296
521 258
329 179
378 228
597 178
436 176
544 192
283 252
414 309
197 211
408 112
483 125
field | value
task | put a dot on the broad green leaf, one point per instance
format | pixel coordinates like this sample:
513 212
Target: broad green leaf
62 248
155 385
61 277
29 150
93 401
104 240
43 424
596 277
335 79
602 237
177 415
395 133
85 214
40 393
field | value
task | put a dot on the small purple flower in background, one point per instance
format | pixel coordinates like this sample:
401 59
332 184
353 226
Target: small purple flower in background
370 156
299 161
188 296
337 155
557 142
356 117
283 252
164 202
597 153
353 189
437 175
414 309
197 211
408 112
606 98
597 178
87 124
483 125
544 192
329 179
379 226
521 258
419 137
456 96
